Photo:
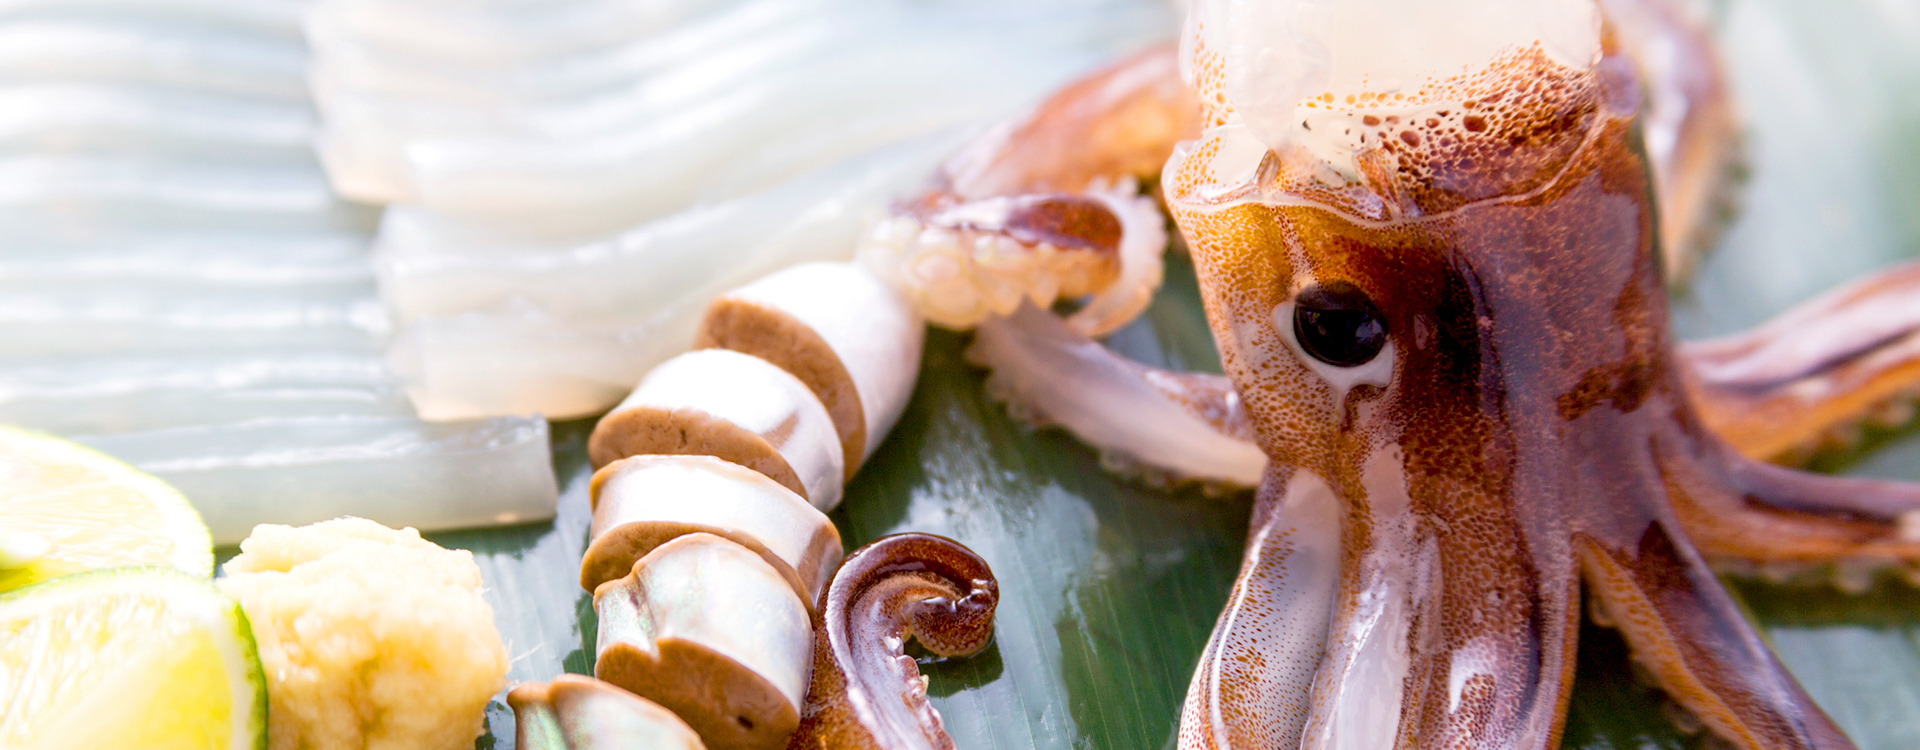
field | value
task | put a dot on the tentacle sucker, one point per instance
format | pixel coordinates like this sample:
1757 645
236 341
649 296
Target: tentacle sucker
960 262
1071 168
867 693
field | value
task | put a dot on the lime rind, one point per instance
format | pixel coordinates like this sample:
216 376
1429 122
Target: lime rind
186 596
242 653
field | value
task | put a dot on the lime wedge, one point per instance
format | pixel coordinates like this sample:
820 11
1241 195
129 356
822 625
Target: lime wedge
128 658
65 508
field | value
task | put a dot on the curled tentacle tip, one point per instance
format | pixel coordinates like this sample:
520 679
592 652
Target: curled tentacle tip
867 692
942 593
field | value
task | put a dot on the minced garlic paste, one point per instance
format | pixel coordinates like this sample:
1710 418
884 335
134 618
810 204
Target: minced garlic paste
370 637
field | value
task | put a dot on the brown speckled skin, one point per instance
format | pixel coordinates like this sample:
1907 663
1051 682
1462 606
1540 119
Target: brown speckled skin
1541 437
867 694
1535 432
1126 118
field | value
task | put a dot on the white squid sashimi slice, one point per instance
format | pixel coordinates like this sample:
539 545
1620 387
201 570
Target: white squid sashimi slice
639 82
275 16
92 395
112 190
518 358
53 118
519 361
64 321
605 183
752 30
684 65
398 471
199 258
629 154
629 278
464 32
131 53
369 129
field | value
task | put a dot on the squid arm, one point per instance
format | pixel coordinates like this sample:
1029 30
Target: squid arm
1688 633
1856 351
867 693
1809 378
1174 426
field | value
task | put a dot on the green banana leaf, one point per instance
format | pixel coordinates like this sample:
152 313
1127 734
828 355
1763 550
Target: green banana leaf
1110 587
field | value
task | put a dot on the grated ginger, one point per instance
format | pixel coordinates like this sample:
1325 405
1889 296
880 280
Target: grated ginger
370 637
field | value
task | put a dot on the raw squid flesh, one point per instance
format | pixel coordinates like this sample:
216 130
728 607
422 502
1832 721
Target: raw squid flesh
182 288
298 470
546 245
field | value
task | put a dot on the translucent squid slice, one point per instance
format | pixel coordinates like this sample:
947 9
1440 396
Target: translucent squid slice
276 16
106 191
706 58
70 117
514 355
642 502
398 471
389 147
638 173
395 151
348 62
522 361
121 393
464 32
428 266
735 407
58 321
128 52
198 258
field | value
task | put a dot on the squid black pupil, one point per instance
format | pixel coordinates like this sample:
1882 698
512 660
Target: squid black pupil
1339 337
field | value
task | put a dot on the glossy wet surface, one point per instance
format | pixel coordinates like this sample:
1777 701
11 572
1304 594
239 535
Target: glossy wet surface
1109 589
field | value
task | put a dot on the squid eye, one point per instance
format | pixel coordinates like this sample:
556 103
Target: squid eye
1338 325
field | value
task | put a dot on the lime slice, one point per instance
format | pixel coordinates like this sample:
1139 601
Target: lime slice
128 658
66 508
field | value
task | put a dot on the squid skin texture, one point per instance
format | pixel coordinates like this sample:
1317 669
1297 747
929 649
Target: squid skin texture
1528 430
1555 436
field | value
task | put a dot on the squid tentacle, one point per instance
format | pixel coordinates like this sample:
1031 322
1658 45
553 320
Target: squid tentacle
1785 522
866 692
960 263
1689 125
1808 378
1250 688
1047 206
1121 121
1179 426
1789 525
1690 635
